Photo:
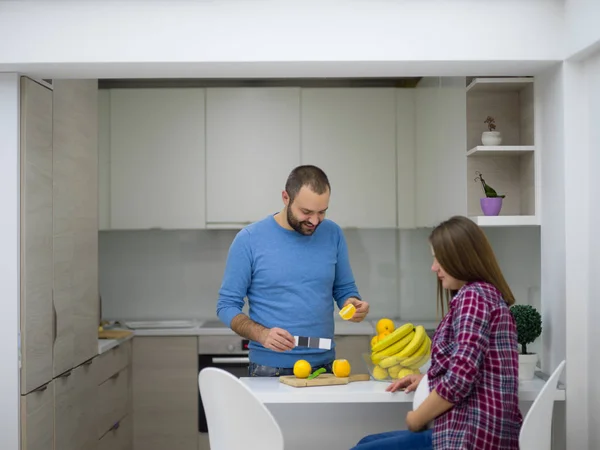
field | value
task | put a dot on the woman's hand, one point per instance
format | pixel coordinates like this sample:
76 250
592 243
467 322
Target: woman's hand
409 383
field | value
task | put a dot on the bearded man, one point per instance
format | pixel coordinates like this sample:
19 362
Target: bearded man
292 267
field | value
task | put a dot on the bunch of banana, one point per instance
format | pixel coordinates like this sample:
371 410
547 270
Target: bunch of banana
401 352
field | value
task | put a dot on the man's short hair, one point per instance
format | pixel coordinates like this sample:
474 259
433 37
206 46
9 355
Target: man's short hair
307 175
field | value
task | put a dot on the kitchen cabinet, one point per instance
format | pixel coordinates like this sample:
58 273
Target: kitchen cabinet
75 400
194 158
37 319
113 375
252 144
120 437
165 393
59 264
75 222
441 170
157 158
103 159
37 419
352 348
351 134
406 150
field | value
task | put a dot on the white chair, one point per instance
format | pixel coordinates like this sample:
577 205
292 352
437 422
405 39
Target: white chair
236 418
536 431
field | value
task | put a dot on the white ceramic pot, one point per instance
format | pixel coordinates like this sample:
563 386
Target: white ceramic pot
527 365
491 138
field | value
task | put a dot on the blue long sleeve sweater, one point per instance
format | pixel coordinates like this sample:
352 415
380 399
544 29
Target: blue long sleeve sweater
291 282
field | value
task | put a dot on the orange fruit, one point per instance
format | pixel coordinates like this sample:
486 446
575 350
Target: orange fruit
302 369
347 311
385 325
374 340
341 368
382 335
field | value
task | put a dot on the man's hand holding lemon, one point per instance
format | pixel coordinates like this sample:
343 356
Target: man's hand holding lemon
362 309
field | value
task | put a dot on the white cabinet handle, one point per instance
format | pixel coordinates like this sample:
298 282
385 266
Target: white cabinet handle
240 360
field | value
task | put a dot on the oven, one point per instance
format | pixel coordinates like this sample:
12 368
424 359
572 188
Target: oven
228 352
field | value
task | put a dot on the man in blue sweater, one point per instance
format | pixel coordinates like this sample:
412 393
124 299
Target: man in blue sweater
291 266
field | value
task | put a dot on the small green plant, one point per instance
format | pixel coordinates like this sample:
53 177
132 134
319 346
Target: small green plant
529 325
487 189
491 123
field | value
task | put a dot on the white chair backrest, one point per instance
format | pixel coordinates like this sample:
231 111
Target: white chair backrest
234 415
421 393
536 431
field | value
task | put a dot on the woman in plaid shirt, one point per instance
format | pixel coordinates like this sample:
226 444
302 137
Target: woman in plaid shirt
473 377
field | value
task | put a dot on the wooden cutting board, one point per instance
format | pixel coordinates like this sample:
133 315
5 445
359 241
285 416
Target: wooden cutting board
325 379
114 334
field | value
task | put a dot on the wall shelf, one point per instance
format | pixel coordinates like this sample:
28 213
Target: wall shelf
500 150
505 221
512 167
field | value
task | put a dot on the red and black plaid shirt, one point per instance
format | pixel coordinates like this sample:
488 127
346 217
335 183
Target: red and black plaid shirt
475 366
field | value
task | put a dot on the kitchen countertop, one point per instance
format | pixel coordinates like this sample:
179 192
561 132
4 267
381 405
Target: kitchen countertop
271 390
199 327
105 345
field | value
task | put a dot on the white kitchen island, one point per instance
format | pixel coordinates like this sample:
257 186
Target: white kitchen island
336 417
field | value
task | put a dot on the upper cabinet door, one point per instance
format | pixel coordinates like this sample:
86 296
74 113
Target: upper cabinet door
350 133
157 158
441 140
37 318
252 144
75 222
104 159
405 148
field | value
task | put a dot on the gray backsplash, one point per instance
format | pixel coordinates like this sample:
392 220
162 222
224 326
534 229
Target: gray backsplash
177 274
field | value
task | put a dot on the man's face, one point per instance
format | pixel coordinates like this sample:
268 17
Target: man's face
307 211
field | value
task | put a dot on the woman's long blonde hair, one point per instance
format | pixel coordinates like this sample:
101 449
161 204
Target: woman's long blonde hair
464 252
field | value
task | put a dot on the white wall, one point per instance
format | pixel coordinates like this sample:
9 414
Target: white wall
63 38
550 135
592 74
579 199
177 274
9 260
568 99
582 30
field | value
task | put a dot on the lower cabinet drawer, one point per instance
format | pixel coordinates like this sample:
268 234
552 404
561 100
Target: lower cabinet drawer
120 437
113 401
111 362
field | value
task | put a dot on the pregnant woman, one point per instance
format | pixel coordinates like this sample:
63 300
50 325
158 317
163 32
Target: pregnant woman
473 378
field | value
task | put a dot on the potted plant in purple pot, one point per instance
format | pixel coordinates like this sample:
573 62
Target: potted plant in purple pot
491 204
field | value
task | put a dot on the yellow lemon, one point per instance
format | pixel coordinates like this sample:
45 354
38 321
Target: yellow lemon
385 325
394 370
341 368
302 368
403 372
379 373
347 311
374 340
